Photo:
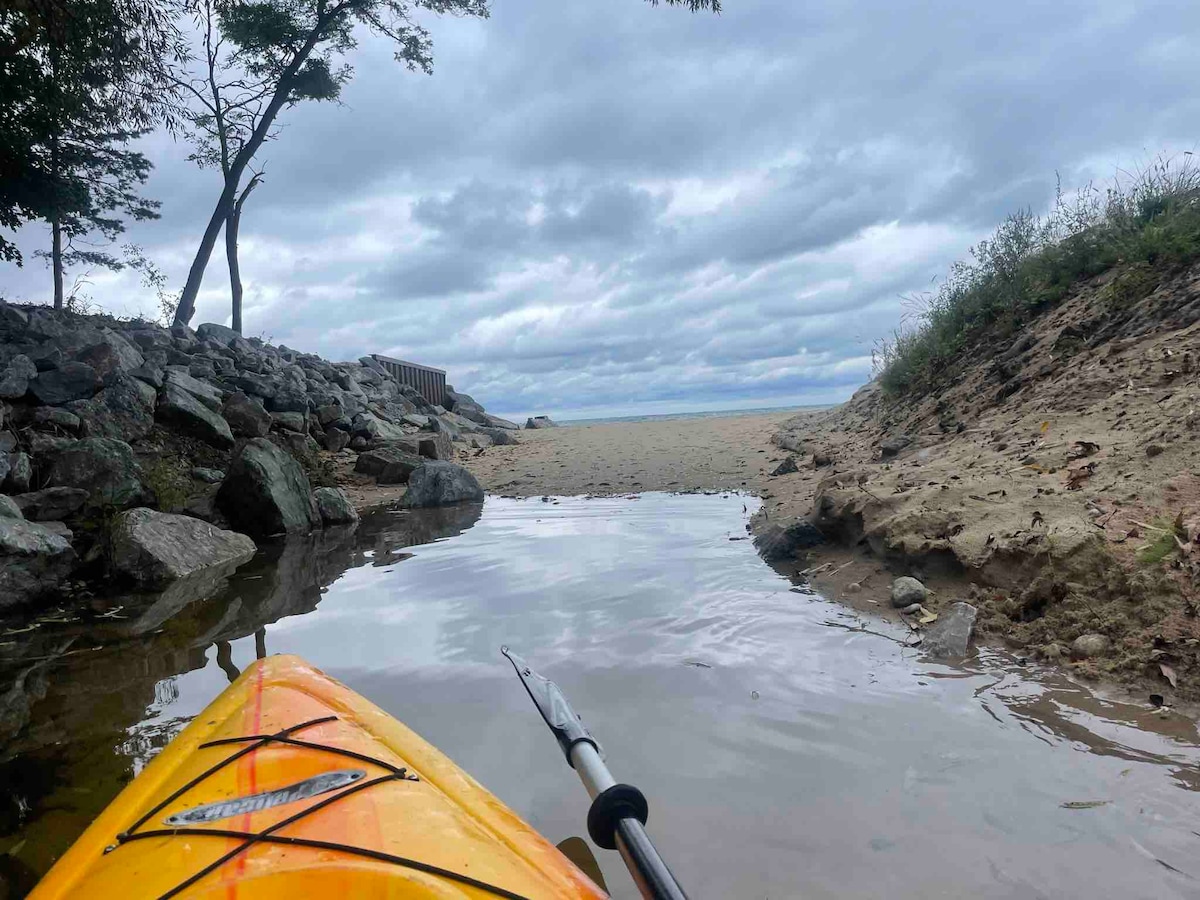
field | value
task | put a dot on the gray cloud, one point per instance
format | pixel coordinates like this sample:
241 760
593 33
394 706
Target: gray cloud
606 206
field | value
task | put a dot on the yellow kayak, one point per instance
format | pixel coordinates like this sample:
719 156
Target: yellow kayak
290 785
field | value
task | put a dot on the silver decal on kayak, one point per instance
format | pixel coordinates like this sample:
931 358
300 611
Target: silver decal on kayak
301 790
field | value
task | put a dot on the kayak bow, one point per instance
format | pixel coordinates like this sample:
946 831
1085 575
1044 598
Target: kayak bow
289 785
617 817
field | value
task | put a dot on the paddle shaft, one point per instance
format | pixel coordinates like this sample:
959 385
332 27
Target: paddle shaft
618 814
651 875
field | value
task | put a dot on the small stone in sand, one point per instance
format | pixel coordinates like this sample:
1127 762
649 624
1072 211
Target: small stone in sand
906 591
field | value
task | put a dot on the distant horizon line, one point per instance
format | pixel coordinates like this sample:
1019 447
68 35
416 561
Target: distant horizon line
717 411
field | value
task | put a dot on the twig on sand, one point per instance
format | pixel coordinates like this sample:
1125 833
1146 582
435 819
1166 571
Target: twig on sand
863 629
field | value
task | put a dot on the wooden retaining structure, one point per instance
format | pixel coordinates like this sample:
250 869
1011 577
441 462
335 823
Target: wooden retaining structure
429 381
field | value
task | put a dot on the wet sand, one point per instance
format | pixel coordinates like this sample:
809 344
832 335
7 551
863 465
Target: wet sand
733 453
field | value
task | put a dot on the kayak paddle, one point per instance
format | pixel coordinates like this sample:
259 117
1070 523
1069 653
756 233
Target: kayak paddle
618 812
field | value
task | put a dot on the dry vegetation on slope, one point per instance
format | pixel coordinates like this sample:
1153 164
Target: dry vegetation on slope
1039 437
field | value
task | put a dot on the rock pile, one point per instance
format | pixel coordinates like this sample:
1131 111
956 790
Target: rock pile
100 416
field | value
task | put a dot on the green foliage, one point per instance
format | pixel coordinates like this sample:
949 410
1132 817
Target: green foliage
693 5
1148 225
79 79
1163 543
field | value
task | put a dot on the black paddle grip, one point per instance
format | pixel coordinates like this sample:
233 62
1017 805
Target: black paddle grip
621 801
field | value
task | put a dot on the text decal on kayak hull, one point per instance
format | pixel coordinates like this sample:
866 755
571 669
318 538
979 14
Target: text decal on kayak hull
301 790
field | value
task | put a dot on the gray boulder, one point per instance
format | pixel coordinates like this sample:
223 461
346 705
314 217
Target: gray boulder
496 422
299 444
184 337
71 381
479 417
906 591
14 382
151 373
152 339
51 504
111 356
184 412
290 421
442 425
105 468
500 436
399 471
290 399
57 417
155 548
328 413
778 543
539 422
9 508
335 440
42 444
258 385
464 425
206 393
211 331
950 636
246 416
202 369
370 426
266 492
33 560
13 320
124 410
334 506
208 476
440 484
374 462
787 467
437 446
1087 646
890 447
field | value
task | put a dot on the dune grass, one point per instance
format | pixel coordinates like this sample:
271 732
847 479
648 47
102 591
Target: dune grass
1147 223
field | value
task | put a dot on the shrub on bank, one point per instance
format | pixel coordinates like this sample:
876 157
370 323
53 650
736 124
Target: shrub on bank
1149 224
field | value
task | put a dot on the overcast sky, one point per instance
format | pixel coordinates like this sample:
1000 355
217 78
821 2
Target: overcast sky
597 207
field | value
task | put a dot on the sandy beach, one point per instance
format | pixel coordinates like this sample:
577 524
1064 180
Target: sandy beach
701 454
715 453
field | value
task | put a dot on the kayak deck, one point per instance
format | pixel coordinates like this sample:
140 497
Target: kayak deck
291 785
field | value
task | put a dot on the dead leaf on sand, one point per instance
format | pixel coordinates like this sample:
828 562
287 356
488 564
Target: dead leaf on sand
1078 475
1168 673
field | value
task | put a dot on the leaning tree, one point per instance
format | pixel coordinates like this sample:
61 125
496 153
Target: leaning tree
293 50
299 47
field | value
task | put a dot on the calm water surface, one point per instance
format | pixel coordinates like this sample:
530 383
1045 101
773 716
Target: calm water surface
785 752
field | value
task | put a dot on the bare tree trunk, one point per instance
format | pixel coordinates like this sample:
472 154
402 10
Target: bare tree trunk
235 274
237 168
56 260
232 225
187 300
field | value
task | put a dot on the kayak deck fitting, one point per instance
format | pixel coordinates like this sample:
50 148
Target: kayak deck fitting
291 785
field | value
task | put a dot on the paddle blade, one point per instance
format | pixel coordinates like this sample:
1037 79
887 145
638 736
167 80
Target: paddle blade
577 851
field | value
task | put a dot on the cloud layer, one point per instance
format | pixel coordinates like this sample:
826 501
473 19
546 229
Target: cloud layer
602 207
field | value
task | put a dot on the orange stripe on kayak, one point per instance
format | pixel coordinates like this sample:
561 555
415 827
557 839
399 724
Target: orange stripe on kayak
247 782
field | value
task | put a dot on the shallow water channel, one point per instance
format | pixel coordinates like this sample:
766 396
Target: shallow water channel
785 751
